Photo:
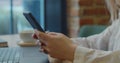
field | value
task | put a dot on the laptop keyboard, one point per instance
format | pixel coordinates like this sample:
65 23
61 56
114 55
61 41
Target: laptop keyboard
9 55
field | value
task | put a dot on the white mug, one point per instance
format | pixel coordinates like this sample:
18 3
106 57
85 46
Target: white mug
26 36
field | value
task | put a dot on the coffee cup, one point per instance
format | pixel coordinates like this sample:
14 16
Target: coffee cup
26 36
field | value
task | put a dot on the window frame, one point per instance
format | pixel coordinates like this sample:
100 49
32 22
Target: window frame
55 12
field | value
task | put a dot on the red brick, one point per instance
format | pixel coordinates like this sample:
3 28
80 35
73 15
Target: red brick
99 2
95 11
86 21
86 2
103 21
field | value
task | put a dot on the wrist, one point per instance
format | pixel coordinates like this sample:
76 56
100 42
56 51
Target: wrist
72 52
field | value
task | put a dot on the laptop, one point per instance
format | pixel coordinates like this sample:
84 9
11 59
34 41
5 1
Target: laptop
22 55
33 55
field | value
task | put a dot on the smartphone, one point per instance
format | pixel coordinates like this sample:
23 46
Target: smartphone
34 23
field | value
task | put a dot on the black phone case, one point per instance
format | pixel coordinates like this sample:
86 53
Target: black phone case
34 23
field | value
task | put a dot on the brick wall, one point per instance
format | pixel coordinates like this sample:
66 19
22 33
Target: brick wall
93 12
86 12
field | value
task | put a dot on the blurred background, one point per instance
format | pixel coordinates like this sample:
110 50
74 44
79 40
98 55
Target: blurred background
11 14
65 16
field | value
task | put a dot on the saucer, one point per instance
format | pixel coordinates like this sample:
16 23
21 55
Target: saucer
26 44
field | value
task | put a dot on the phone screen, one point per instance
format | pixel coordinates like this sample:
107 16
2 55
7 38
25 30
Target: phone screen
34 23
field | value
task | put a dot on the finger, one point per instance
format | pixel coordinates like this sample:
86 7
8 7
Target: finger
42 36
34 36
42 50
43 43
52 33
38 42
45 49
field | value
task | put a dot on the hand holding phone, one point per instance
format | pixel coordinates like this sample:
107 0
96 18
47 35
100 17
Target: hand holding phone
35 25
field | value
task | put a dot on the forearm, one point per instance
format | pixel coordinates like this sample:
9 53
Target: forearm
89 42
98 41
87 55
80 41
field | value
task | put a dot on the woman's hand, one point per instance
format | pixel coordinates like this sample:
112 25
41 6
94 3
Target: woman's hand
56 45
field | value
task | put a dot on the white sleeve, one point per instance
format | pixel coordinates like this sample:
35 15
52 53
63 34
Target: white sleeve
93 49
86 55
98 41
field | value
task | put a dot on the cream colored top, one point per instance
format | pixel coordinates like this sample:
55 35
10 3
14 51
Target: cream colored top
100 48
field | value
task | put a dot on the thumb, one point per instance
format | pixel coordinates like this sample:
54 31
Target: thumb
42 36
